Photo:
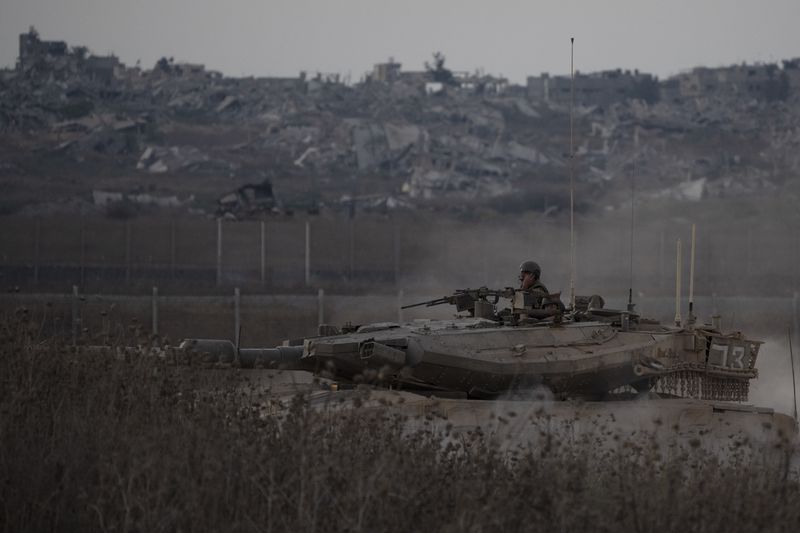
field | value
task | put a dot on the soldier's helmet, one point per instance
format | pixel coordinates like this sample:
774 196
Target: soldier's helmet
532 267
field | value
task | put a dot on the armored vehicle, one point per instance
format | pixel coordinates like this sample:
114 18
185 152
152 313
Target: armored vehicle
484 352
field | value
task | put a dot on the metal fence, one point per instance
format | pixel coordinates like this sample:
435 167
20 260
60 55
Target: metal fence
383 254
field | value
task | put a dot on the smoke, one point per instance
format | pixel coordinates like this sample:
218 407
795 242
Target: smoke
731 245
773 388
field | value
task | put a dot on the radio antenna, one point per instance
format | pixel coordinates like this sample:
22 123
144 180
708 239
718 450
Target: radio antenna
678 284
633 197
571 175
691 280
794 386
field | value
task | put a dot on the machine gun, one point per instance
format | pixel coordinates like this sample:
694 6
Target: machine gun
479 302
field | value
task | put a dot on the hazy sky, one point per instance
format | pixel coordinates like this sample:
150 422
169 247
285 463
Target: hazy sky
509 37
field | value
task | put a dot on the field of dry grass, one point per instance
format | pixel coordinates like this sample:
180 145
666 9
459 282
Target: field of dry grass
90 442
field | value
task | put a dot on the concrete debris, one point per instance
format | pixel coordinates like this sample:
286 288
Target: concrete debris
103 198
472 138
160 160
229 102
247 201
525 108
400 137
434 184
692 190
374 203
525 153
369 143
309 151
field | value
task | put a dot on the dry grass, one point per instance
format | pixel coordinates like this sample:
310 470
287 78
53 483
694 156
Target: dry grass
94 442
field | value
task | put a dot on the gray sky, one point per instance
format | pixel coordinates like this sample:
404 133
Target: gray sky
509 37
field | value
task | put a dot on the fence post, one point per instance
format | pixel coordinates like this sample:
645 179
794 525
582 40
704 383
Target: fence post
219 252
308 254
237 317
263 253
83 253
37 249
320 306
172 246
75 318
127 251
155 311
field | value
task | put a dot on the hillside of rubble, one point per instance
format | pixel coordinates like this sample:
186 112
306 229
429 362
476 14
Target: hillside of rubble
79 134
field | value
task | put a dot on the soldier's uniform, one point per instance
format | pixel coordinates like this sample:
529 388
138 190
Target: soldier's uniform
537 287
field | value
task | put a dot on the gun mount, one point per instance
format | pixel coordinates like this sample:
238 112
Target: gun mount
482 302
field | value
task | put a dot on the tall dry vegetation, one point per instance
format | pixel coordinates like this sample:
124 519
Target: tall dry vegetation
93 442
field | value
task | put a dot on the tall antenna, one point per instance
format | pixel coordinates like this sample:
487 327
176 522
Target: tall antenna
678 285
794 386
633 196
571 176
691 280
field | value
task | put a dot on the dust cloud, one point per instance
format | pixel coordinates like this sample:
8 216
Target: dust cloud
742 251
773 388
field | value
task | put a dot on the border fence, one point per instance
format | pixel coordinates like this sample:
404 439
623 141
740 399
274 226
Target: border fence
199 253
382 254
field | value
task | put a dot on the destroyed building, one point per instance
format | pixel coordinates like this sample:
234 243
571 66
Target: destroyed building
55 59
762 82
402 139
597 88
102 68
388 72
33 51
246 201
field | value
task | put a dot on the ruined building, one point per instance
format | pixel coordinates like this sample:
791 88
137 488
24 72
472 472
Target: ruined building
761 82
33 51
388 72
55 59
597 88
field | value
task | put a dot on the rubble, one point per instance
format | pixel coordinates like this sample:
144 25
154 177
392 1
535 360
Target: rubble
103 198
247 201
452 186
374 203
690 190
160 160
478 138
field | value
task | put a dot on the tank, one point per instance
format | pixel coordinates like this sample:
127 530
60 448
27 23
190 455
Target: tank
529 343
519 368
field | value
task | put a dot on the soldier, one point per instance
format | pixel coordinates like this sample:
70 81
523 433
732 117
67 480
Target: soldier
529 273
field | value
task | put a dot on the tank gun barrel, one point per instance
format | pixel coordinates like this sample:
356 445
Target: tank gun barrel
285 357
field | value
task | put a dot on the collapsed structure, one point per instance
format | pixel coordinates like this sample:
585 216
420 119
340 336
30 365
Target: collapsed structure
434 137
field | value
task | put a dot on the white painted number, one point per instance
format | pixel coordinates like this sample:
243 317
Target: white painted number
736 359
